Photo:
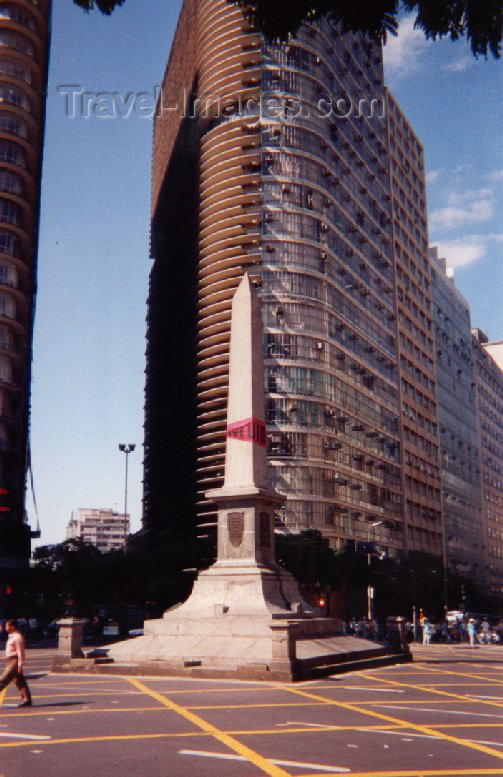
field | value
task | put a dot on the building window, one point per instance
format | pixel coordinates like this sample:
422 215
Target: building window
9 244
16 41
14 125
16 14
8 274
14 96
10 213
9 181
11 152
7 305
8 67
5 370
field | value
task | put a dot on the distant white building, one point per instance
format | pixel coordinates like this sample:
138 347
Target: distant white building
102 527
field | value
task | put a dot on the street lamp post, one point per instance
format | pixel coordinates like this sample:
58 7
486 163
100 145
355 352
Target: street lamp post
414 607
370 589
126 449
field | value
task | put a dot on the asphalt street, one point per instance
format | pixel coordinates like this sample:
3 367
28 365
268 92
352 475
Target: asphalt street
441 715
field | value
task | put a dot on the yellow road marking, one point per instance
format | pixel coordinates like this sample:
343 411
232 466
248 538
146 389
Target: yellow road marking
422 773
259 732
79 694
255 758
487 684
175 691
388 718
460 674
441 693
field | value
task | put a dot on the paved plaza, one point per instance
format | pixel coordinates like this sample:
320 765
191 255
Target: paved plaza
441 715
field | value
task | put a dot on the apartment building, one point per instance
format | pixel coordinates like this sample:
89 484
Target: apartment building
102 527
24 44
459 440
326 210
489 392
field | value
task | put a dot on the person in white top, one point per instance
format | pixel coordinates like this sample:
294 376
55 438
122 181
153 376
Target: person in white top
15 659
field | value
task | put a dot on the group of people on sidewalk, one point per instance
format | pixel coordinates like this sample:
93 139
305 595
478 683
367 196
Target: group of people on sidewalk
471 631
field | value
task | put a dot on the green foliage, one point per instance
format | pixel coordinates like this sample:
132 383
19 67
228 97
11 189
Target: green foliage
477 20
417 579
158 569
105 6
308 557
74 576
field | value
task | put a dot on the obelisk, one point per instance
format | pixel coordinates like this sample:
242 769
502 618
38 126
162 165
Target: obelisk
245 612
246 504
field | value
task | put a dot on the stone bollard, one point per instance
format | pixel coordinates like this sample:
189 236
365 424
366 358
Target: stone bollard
395 635
70 638
284 636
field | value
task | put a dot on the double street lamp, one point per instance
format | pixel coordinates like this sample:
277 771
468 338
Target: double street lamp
126 449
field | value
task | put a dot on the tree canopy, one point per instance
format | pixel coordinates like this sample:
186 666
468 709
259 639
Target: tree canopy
480 21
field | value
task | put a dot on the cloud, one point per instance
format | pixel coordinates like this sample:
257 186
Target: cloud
461 169
464 208
402 54
432 175
459 65
467 250
462 252
496 175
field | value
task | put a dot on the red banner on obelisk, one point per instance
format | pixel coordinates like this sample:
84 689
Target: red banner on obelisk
248 430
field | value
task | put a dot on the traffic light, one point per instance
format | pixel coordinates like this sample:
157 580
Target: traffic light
5 506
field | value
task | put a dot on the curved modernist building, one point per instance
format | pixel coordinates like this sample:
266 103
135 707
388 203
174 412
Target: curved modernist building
24 38
277 162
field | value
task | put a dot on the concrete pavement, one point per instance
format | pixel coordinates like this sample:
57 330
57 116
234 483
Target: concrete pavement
442 715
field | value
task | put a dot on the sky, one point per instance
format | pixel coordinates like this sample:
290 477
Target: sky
89 343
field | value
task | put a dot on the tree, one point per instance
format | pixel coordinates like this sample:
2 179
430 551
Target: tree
477 20
105 6
308 557
480 21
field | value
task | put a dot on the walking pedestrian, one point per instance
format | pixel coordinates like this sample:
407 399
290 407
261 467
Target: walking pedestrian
427 631
15 659
472 632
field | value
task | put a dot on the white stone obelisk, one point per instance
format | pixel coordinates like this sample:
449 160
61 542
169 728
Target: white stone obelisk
245 456
246 504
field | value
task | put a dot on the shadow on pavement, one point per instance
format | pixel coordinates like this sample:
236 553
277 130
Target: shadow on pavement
61 704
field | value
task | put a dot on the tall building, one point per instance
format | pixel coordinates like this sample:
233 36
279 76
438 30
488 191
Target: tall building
292 162
24 45
422 514
459 440
103 527
489 389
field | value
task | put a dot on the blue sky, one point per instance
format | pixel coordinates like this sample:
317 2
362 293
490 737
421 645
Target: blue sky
94 248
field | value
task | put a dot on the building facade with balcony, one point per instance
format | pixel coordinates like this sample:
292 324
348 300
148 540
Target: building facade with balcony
24 46
459 439
102 527
294 163
489 393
